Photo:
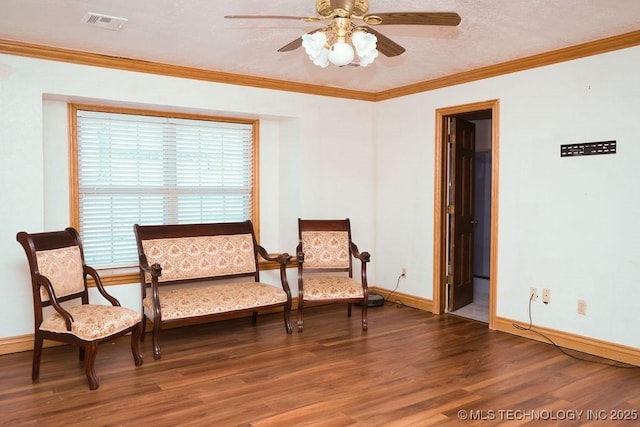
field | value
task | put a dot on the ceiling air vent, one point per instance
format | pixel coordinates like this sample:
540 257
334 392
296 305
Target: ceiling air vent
105 21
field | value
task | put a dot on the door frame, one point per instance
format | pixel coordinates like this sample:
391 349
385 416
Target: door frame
440 204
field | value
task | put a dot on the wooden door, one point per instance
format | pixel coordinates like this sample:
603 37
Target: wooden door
460 211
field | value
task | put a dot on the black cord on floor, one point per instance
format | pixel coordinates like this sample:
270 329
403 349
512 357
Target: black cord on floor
562 350
388 298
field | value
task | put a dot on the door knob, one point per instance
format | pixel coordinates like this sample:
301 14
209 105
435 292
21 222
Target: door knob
474 221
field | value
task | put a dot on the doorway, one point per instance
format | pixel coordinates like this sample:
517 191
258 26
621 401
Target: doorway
465 238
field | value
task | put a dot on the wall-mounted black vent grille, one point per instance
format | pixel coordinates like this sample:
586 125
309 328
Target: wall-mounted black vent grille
588 148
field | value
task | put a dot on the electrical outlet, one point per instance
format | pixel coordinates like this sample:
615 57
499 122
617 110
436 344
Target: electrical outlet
533 294
546 295
582 307
404 272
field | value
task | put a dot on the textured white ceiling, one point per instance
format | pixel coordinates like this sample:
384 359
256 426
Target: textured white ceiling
194 33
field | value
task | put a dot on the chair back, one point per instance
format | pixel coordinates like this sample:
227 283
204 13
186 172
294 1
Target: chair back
326 245
56 259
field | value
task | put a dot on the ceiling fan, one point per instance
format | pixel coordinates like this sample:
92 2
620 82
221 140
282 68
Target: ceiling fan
349 20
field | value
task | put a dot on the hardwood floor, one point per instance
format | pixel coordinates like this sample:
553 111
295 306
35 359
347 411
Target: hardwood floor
411 368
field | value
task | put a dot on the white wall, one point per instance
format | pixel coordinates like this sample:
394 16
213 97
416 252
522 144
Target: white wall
567 224
315 160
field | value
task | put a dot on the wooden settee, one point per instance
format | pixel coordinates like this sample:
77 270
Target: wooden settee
197 272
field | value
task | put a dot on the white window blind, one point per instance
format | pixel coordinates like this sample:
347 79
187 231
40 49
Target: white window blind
156 170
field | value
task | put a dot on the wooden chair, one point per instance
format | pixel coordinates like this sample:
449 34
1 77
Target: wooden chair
325 273
58 275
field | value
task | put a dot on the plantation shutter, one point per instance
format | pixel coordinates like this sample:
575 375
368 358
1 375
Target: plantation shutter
157 170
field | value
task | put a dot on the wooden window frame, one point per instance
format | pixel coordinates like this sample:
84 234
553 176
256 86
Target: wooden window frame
128 275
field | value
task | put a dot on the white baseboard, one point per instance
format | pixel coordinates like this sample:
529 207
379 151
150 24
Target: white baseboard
592 346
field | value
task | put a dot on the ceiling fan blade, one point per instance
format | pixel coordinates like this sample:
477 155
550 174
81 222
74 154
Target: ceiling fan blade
386 46
413 18
291 46
296 18
296 43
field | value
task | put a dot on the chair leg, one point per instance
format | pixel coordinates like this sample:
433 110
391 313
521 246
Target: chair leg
156 345
364 315
349 309
144 326
89 361
37 354
135 344
287 318
300 315
254 318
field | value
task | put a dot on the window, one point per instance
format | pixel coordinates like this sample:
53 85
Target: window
153 168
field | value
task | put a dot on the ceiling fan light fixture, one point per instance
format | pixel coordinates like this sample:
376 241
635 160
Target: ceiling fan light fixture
341 53
322 59
365 45
368 59
315 46
340 50
342 39
364 42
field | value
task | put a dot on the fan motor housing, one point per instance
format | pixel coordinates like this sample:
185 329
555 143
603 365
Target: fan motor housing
352 7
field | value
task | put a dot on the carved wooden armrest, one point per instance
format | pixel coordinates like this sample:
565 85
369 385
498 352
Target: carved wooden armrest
155 270
44 282
96 278
362 256
281 258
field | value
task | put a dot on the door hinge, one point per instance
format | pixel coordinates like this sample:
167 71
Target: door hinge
452 139
449 279
451 209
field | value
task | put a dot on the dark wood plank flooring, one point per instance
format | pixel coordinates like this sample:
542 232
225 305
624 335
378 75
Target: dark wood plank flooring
411 368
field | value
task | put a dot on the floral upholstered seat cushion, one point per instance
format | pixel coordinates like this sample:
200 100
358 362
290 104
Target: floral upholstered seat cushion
219 298
330 287
92 322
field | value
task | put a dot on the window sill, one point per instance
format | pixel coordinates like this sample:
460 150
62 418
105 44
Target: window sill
128 275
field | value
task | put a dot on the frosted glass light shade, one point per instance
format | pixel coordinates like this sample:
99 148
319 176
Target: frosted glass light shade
365 45
315 46
366 60
314 42
341 53
322 60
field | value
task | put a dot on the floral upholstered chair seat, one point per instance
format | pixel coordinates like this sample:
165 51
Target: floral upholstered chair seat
331 287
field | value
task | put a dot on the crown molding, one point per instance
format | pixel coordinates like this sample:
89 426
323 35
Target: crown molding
583 50
18 48
608 44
